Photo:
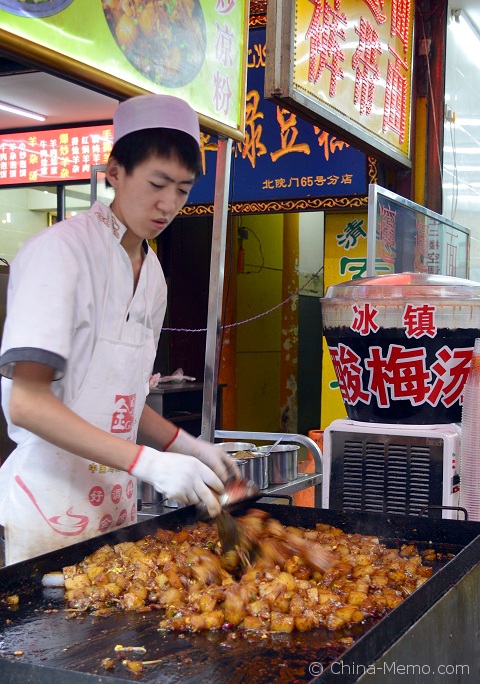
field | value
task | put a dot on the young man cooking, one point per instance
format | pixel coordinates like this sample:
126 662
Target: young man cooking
86 303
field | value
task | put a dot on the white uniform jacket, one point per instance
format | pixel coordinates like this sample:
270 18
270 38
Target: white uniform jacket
71 305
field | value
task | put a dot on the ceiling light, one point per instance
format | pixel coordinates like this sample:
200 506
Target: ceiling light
21 112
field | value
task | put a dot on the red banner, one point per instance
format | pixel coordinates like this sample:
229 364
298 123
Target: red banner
61 154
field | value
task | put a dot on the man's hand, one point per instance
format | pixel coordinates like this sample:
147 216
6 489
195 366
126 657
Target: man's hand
213 456
179 477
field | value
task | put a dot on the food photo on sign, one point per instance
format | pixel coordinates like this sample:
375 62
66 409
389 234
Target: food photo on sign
165 41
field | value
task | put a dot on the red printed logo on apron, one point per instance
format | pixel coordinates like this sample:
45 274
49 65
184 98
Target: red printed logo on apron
96 496
69 524
130 489
122 517
123 416
116 493
105 523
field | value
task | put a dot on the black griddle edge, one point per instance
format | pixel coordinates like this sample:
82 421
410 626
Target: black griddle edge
462 538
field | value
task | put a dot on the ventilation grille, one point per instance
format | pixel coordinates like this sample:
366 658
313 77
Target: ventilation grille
352 475
385 474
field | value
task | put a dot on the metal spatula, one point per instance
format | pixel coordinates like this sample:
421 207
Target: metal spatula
228 532
235 492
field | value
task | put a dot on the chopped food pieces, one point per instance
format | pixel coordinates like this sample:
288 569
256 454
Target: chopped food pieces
133 665
108 663
195 586
13 600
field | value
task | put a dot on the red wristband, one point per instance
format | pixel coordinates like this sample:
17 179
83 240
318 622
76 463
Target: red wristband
135 461
172 440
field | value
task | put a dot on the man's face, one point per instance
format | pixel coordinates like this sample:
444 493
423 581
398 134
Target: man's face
148 199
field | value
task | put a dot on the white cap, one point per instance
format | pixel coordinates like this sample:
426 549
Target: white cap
155 111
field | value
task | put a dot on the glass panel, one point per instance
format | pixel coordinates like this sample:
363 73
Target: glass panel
406 237
23 213
79 197
97 187
461 149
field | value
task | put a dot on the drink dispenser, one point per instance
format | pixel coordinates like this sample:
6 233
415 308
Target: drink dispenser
401 346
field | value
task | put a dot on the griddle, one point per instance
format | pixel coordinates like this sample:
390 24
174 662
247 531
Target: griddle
58 650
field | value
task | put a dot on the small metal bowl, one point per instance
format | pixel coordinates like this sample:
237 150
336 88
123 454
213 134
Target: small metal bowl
282 463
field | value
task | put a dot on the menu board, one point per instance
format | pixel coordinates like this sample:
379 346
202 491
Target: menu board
61 154
194 49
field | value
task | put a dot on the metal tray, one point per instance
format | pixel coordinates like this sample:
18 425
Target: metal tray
59 650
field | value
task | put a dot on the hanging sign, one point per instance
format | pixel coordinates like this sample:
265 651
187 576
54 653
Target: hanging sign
347 64
194 49
282 157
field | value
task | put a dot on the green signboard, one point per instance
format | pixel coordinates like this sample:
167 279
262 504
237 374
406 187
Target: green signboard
195 49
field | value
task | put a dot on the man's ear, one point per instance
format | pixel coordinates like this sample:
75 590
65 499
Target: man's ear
112 172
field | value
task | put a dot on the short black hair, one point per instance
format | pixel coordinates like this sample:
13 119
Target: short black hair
134 148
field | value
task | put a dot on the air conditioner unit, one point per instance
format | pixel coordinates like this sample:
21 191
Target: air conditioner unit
388 468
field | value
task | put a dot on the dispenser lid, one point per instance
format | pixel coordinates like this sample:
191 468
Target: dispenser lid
404 286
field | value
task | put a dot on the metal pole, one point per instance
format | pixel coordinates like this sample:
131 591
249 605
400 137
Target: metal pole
60 202
217 261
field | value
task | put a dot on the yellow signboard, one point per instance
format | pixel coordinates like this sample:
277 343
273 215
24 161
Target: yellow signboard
195 49
345 259
349 62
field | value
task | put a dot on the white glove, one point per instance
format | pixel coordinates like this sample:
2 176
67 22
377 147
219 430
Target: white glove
178 477
213 456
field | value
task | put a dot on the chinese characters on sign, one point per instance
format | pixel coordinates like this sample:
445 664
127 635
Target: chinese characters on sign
225 40
414 372
352 232
386 233
346 244
351 247
282 156
53 155
353 58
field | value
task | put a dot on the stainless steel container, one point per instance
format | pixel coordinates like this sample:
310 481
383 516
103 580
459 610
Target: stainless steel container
147 492
233 447
253 464
282 463
242 463
256 469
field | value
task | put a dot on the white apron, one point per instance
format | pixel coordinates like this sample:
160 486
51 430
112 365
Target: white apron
56 498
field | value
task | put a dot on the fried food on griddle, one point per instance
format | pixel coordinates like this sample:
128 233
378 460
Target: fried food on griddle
195 586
